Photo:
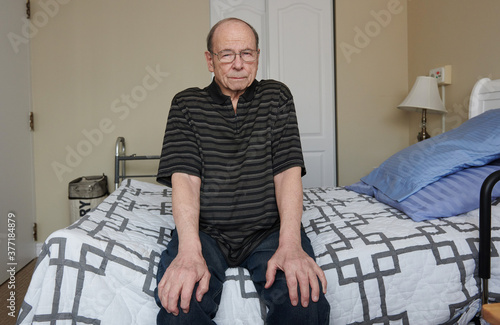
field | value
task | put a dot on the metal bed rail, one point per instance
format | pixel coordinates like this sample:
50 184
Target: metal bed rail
121 158
485 237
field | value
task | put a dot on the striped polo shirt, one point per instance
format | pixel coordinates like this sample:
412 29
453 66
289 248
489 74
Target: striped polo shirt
236 156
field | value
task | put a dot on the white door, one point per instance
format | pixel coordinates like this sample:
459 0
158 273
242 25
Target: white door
17 212
301 55
296 41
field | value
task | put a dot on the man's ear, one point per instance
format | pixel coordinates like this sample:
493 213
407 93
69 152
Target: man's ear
210 61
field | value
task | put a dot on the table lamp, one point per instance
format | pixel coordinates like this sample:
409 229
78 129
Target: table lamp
424 96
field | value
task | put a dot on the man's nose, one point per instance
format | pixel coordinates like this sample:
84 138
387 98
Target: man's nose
238 61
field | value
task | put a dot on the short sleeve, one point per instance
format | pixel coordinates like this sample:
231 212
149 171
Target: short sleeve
180 150
286 145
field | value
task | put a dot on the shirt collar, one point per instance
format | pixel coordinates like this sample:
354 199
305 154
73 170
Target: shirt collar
219 98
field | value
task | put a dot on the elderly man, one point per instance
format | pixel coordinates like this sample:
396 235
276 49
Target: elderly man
232 156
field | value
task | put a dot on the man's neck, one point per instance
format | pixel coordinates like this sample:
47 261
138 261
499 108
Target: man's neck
235 96
234 100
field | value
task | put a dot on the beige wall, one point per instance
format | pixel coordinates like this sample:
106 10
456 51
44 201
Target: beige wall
92 81
372 79
461 33
429 34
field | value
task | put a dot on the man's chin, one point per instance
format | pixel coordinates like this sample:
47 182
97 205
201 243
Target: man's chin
239 84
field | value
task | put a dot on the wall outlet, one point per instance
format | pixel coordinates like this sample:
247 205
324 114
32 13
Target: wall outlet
442 75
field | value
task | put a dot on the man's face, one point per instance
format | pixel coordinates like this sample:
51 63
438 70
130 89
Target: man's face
235 77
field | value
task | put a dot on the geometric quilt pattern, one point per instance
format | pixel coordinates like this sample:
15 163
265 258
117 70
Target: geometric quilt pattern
381 267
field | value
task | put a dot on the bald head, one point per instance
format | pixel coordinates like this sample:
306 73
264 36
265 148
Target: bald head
210 36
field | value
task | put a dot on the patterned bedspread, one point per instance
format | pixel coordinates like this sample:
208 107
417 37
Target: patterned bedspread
382 267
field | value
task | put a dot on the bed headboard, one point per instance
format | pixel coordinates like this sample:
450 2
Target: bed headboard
485 96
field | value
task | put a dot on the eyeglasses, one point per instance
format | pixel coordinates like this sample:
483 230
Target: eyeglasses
228 56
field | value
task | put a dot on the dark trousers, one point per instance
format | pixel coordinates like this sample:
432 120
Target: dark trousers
276 298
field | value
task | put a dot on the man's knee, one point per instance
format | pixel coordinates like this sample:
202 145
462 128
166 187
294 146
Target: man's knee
199 312
281 310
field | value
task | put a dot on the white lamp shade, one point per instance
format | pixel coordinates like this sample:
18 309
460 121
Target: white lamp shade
424 95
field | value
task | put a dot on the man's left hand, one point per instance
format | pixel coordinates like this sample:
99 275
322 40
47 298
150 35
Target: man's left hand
301 271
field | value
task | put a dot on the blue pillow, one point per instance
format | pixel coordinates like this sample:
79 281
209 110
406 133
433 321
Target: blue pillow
361 188
450 196
474 143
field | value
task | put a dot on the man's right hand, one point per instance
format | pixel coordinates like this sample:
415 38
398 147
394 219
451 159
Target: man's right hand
179 281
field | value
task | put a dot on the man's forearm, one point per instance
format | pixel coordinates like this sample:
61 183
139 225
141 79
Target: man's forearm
186 210
290 257
188 267
288 187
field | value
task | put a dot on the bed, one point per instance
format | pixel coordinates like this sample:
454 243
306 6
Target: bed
382 266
